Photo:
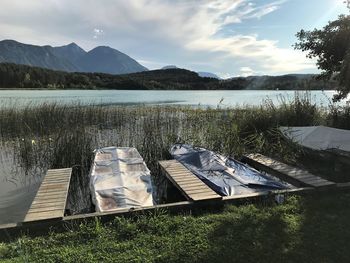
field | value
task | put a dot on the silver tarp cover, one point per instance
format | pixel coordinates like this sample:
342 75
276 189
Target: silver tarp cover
319 137
119 178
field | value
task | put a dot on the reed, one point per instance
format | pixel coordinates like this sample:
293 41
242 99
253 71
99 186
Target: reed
37 137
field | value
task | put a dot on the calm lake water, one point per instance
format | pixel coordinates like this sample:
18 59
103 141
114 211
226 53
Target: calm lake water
16 197
155 97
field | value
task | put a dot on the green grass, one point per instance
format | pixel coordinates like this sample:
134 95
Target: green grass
314 228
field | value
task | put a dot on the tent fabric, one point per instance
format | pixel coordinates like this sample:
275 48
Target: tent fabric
319 137
119 178
225 176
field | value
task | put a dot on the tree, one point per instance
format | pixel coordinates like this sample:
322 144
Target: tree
331 47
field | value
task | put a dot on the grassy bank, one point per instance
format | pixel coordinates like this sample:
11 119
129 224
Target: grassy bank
314 228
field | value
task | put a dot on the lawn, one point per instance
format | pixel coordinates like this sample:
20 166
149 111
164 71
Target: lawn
311 228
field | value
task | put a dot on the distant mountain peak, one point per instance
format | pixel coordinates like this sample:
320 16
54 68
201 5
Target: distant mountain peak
169 67
73 44
69 57
8 41
109 60
208 75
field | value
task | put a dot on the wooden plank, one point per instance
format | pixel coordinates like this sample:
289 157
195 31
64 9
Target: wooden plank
56 181
182 173
293 175
195 184
182 176
53 204
43 216
45 209
188 183
49 201
196 187
50 187
187 180
51 198
48 193
202 197
48 196
198 191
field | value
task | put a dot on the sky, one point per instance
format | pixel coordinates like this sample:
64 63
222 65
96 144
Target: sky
225 37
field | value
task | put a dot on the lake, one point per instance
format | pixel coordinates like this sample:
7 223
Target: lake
205 98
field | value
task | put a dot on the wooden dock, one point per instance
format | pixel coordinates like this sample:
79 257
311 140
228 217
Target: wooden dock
189 184
290 174
60 222
50 200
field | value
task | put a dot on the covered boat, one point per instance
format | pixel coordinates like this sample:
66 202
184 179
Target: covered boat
319 137
224 175
119 178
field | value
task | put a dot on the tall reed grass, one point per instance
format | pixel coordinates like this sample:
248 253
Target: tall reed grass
45 136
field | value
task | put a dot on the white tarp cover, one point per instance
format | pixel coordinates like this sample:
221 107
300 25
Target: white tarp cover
119 178
319 137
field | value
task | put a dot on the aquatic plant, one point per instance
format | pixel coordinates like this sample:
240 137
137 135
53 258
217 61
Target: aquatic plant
38 137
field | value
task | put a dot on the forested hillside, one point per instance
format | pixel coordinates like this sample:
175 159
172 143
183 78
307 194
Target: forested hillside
13 76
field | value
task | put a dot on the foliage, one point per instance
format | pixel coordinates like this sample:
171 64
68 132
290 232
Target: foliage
331 47
14 76
27 77
314 228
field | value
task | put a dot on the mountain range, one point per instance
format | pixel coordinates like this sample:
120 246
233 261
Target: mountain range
70 58
200 73
70 66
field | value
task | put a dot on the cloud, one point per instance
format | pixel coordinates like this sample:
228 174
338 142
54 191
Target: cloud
97 32
182 32
246 71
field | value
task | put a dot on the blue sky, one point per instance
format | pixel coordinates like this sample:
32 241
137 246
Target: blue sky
226 37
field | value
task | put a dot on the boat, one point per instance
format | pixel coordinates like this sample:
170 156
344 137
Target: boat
325 141
119 179
225 175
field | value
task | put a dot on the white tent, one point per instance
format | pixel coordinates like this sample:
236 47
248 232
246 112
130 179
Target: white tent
119 178
319 137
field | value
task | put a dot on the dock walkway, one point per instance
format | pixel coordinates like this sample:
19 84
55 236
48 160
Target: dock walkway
290 174
50 200
189 184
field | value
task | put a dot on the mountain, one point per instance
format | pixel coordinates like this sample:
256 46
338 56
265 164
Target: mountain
201 74
169 67
71 52
207 75
44 57
71 58
108 60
